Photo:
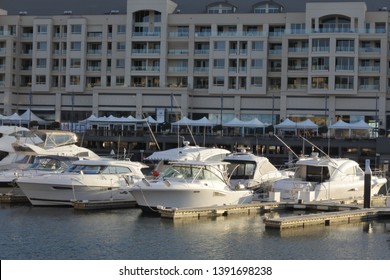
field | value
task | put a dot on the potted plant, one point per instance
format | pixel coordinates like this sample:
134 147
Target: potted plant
323 130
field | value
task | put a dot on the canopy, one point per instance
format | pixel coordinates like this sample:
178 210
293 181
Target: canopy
307 124
340 124
183 121
203 122
30 116
14 118
254 123
186 121
290 125
287 124
360 125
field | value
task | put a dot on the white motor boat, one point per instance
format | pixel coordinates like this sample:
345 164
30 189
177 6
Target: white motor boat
324 178
189 184
41 164
252 171
86 180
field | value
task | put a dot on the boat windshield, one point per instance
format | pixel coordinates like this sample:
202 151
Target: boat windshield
309 173
99 169
45 164
85 169
190 172
244 170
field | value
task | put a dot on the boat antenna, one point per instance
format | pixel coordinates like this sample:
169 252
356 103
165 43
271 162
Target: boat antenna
188 127
151 132
325 154
287 146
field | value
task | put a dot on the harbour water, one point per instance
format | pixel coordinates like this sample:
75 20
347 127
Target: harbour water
39 233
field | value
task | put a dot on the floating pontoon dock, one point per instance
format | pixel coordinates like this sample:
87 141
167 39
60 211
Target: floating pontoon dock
13 199
331 212
101 205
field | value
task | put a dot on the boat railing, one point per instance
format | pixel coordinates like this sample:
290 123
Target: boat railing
379 173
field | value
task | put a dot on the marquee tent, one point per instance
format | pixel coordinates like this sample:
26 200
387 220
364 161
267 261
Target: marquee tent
345 129
28 116
289 125
252 124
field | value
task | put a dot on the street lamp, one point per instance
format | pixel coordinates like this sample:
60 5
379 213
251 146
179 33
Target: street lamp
29 105
221 105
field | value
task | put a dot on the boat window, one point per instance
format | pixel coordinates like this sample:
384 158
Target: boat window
115 170
3 155
210 175
86 169
178 172
45 164
242 171
91 169
317 174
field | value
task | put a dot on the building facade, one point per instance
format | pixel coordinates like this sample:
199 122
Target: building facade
327 62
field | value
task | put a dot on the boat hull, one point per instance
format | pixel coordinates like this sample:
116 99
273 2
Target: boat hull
41 193
295 189
152 199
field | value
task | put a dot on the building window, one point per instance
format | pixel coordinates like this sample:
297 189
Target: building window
345 64
141 16
219 45
42 29
219 63
120 81
257 64
344 82
345 45
320 63
219 81
41 46
319 82
74 80
75 63
320 45
121 46
256 81
40 79
257 46
380 27
120 63
41 62
75 46
121 29
221 8
298 28
75 29
267 7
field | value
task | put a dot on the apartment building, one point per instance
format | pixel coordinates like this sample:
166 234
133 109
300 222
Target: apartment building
166 59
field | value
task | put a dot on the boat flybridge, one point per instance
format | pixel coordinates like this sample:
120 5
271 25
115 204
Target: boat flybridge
9 135
162 159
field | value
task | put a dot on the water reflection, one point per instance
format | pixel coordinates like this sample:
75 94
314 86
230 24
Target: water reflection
63 233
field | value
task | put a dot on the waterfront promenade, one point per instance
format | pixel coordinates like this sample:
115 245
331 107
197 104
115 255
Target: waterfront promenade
139 144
